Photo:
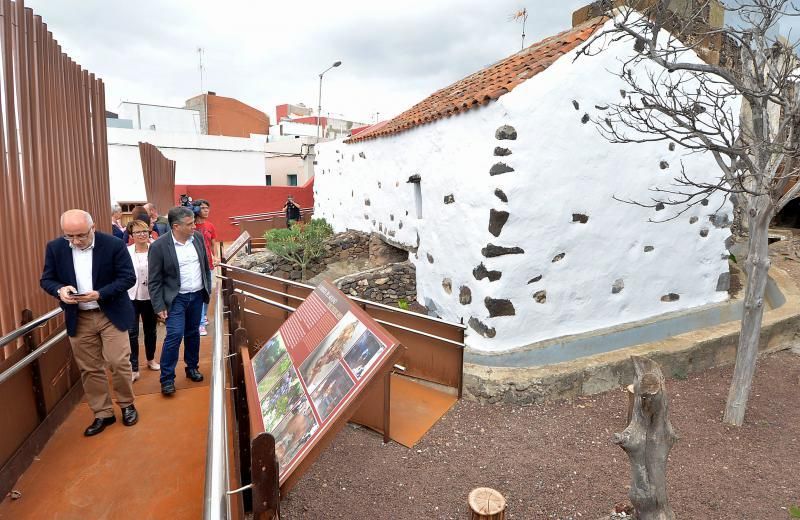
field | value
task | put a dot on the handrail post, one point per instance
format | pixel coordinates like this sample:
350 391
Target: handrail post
264 468
36 370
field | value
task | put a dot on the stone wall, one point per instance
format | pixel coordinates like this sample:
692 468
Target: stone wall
384 284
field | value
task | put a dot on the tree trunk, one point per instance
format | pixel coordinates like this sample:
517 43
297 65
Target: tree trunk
648 440
756 267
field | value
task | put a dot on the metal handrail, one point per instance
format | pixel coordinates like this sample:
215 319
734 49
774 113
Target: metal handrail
355 299
29 327
216 501
33 356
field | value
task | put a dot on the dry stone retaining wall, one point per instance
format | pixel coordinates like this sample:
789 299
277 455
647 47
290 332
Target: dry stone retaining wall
387 284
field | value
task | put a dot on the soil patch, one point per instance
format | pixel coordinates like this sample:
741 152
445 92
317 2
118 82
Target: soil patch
556 460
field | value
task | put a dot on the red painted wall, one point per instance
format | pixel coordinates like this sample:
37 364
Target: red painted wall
230 201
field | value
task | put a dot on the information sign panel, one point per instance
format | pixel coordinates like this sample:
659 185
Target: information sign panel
313 368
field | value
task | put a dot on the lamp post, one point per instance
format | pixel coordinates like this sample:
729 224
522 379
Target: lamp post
319 98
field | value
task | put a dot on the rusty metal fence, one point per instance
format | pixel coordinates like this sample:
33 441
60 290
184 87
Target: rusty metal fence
53 156
159 176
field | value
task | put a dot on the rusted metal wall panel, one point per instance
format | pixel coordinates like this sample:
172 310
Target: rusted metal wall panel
53 156
159 177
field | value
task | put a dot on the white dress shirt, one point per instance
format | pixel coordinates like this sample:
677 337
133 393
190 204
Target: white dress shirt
189 265
82 261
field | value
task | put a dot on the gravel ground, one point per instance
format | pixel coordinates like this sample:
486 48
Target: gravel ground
556 460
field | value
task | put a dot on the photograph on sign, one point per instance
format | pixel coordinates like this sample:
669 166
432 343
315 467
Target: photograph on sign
327 355
331 391
265 358
281 398
363 352
295 430
266 384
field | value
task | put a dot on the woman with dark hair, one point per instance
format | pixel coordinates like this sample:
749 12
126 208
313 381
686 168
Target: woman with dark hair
141 214
140 296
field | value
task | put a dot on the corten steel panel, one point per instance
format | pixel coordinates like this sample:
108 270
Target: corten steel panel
59 372
19 408
53 155
159 176
429 359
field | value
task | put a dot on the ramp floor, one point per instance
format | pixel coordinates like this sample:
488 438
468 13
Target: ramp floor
416 406
152 470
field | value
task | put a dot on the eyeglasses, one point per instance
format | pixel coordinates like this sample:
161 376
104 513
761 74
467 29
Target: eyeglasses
72 238
140 233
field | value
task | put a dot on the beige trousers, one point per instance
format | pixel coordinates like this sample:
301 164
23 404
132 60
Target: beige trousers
97 342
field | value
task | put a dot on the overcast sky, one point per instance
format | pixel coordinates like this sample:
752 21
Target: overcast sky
269 52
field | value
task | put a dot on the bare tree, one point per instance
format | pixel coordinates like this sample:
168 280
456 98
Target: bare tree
738 102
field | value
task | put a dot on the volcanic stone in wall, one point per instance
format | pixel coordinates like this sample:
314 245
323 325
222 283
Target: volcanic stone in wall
500 168
580 217
659 206
491 251
481 272
497 219
367 202
540 296
671 297
499 151
692 220
447 285
361 154
499 307
500 195
704 232
481 328
619 284
663 165
720 220
576 105
724 282
534 279
558 257
464 295
647 249
585 119
430 257
449 199
506 132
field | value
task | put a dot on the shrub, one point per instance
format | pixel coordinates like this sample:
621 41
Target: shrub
301 243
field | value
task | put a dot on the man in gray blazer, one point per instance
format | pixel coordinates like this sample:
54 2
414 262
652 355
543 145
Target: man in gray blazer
179 283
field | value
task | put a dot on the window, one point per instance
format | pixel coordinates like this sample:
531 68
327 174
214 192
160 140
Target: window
269 180
291 179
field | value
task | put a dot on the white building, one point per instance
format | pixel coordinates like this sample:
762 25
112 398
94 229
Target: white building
505 193
200 160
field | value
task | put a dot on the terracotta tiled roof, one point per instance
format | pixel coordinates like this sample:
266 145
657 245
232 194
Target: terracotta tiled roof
487 84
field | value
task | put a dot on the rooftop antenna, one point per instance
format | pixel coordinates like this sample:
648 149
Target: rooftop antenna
521 15
200 52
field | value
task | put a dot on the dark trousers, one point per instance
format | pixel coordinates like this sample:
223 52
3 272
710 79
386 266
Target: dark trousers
144 309
183 322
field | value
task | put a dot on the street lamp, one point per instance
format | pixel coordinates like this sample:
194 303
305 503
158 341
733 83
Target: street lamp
319 98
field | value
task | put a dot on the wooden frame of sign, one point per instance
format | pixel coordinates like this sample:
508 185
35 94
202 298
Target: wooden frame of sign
234 248
306 382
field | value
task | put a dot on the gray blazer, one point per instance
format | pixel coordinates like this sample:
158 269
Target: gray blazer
164 277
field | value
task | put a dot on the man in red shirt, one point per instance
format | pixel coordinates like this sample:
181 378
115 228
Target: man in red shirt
202 208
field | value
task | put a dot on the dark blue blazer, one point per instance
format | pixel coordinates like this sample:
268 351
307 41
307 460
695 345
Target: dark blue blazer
112 276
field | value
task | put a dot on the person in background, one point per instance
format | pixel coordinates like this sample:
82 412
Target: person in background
179 283
116 224
157 223
140 297
292 211
90 273
209 232
139 213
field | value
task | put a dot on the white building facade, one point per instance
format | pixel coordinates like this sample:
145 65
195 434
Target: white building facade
510 209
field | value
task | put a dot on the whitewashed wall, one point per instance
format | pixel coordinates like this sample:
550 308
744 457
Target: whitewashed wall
200 159
561 167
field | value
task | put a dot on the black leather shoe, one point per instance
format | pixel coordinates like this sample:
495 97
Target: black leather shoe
99 425
168 388
194 375
129 416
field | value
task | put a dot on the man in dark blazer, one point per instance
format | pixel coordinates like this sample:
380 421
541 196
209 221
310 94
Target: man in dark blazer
179 283
90 273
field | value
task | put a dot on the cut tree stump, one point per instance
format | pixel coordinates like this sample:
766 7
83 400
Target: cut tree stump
487 504
648 440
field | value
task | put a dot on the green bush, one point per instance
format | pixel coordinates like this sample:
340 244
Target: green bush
301 243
